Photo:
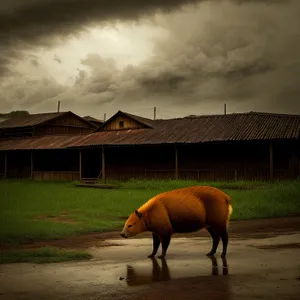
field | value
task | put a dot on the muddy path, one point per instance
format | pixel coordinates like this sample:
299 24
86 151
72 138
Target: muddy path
263 262
238 229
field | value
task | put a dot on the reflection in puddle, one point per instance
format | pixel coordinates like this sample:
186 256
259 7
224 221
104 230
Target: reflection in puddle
161 272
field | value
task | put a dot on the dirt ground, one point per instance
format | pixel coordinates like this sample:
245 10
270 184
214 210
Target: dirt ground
263 262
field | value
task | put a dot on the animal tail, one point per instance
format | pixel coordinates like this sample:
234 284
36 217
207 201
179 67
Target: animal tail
229 207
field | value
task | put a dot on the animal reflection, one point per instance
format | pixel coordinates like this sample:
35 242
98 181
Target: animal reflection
162 273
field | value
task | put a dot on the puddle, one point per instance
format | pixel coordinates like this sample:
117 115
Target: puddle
280 246
123 271
159 270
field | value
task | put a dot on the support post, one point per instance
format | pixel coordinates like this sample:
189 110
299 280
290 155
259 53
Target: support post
103 165
176 163
80 165
271 161
5 165
31 164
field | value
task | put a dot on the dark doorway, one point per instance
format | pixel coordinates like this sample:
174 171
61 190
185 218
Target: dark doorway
2 164
91 163
18 164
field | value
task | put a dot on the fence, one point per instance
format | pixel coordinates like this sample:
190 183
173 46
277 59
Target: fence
201 174
56 175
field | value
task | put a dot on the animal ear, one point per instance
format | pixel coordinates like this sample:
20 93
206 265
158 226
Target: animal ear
138 214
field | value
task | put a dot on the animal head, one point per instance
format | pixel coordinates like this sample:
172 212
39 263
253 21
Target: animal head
134 225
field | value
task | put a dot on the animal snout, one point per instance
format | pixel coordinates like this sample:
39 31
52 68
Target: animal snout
122 234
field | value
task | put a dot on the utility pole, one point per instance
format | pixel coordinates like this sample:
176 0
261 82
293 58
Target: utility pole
225 109
104 117
154 113
58 106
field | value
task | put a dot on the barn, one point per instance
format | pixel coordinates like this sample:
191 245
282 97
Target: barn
250 146
23 162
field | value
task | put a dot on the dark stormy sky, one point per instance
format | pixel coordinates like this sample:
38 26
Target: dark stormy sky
184 57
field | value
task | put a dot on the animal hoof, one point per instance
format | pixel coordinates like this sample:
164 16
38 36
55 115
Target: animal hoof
161 256
210 254
151 255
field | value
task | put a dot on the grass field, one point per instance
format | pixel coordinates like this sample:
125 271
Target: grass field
42 255
45 210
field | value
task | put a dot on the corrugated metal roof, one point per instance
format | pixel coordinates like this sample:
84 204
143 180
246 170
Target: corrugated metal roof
230 127
35 143
247 126
29 120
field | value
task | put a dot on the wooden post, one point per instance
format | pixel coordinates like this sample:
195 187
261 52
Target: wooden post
271 161
80 165
176 163
5 165
103 165
31 164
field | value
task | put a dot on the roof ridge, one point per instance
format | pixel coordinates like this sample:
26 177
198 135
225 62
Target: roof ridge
133 115
230 114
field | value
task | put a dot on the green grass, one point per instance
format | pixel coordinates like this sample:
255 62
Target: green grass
42 255
102 210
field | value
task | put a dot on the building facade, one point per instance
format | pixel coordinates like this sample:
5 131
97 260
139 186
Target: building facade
248 146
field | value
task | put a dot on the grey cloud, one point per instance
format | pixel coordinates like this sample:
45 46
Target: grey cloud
24 24
241 53
25 92
57 59
47 22
248 56
33 19
218 51
79 80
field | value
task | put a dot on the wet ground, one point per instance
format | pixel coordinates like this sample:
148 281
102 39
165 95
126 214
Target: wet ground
261 264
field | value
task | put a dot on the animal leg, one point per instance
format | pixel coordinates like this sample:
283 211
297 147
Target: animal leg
215 240
165 242
214 266
225 266
156 243
224 237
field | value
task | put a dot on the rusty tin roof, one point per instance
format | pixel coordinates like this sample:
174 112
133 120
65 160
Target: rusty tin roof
193 129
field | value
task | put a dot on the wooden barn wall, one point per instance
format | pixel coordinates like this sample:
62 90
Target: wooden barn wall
123 163
128 124
16 132
224 161
60 129
212 161
56 160
56 176
238 160
69 120
57 165
18 164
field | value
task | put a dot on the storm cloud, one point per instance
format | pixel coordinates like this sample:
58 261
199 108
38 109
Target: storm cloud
245 53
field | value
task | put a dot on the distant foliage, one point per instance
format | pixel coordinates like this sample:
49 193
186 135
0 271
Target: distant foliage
15 113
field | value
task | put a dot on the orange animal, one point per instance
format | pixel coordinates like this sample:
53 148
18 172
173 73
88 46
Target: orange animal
181 211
